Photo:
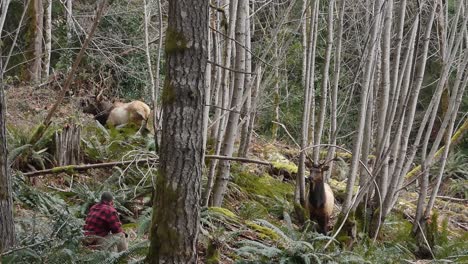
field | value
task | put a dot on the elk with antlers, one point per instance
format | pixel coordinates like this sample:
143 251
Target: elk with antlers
321 199
115 114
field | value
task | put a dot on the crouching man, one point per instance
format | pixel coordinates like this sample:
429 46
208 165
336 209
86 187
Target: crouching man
103 226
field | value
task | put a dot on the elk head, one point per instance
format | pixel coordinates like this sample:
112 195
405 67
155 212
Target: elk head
321 199
98 105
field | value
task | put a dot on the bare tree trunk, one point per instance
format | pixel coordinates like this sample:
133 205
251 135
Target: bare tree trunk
233 120
450 117
363 106
276 78
146 22
7 228
309 49
334 90
3 12
401 167
224 94
247 109
382 141
325 81
69 13
398 146
176 211
206 107
428 157
311 70
368 138
48 40
37 24
253 110
218 93
394 91
155 92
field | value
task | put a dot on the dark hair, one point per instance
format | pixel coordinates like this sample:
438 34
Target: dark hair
107 197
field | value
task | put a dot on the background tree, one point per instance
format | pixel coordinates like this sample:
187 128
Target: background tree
7 228
176 215
7 231
236 105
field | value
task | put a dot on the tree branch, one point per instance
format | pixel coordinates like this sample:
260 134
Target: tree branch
72 168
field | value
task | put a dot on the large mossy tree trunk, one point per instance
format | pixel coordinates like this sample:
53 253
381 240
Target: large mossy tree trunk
176 211
7 232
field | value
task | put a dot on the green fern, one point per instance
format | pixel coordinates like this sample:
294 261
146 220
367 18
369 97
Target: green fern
102 144
25 156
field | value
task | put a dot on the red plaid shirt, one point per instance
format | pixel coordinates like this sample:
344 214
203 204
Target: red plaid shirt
102 219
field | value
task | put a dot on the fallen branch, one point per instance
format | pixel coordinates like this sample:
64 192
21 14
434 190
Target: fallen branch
452 199
28 246
245 160
73 168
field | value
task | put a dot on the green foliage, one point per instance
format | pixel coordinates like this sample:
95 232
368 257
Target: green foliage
288 166
49 225
144 222
23 155
102 144
382 252
455 166
252 210
290 246
458 188
453 250
263 186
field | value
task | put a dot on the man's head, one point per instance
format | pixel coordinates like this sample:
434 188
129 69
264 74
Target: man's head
107 197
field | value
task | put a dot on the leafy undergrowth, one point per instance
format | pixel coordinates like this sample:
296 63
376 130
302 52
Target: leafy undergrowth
256 224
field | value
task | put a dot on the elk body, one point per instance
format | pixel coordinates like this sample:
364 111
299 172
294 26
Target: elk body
117 114
321 199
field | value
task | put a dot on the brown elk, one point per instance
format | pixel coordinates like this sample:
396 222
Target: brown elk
116 114
321 199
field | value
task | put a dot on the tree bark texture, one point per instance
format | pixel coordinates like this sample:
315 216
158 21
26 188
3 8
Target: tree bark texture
176 212
36 26
7 231
48 40
67 145
3 12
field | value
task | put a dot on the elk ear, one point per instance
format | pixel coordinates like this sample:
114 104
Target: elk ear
325 168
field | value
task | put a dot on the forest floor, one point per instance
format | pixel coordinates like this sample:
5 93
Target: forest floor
256 223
